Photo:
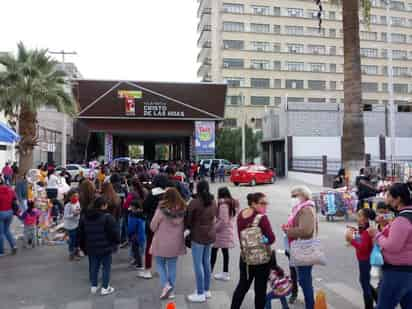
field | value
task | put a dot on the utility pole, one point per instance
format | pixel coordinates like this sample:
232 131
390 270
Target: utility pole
63 53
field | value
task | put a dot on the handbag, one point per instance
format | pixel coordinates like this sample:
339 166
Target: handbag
307 252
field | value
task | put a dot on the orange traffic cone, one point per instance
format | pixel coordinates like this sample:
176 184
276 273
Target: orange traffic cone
320 302
171 306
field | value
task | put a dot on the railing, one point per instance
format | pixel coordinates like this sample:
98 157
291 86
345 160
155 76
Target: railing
318 165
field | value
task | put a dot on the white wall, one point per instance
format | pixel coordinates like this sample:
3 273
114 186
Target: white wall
311 146
311 179
372 146
403 147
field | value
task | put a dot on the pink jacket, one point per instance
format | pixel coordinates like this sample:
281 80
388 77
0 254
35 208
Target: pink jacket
397 246
225 225
168 228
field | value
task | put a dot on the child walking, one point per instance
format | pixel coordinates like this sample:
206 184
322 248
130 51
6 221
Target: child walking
137 233
280 285
30 218
363 244
71 219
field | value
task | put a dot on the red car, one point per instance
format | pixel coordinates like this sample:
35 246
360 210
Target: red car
252 175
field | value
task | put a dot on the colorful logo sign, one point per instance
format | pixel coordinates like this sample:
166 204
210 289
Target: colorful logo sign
205 137
131 94
108 147
130 106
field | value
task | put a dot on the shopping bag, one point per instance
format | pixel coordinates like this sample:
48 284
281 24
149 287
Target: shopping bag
320 300
307 252
376 258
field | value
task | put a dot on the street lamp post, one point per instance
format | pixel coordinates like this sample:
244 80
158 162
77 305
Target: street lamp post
63 53
242 101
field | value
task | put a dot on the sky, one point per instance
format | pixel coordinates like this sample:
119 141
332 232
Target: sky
151 40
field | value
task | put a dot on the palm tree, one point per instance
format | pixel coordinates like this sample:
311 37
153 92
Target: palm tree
30 81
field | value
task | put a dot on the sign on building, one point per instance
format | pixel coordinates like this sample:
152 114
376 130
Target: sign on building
205 137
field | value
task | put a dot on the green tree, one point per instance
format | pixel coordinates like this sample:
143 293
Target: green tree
229 144
30 81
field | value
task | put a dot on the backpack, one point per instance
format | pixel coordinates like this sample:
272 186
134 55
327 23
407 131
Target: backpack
254 251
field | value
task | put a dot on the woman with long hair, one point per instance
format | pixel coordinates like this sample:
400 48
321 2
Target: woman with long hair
225 230
168 240
201 220
87 194
113 200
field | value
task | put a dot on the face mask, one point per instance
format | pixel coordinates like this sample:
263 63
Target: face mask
74 200
294 201
262 211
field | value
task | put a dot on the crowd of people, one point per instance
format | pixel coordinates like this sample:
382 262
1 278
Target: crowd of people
158 211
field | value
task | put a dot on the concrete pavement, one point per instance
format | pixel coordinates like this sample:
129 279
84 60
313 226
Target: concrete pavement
43 278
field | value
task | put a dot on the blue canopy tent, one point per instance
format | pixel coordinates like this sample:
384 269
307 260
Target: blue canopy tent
7 135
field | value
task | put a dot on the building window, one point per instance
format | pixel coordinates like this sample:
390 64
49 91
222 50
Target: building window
276 11
260 28
367 35
260 64
296 48
234 8
398 38
369 52
317 100
384 87
295 12
277 84
397 5
294 30
317 67
260 82
317 49
296 66
233 44
276 29
234 81
260 10
278 100
332 33
384 36
258 123
294 84
332 85
332 68
276 47
398 21
296 100
404 108
400 88
332 15
259 100
316 84
400 71
277 65
230 123
370 87
312 14
332 100
367 107
369 69
233 26
384 53
383 20
233 63
260 46
233 100
332 50
315 31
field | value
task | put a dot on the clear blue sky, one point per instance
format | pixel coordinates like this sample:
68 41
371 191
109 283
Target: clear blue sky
123 39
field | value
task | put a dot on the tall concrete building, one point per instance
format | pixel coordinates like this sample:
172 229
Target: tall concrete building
270 52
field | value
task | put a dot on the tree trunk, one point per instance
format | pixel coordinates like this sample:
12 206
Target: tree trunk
353 142
27 132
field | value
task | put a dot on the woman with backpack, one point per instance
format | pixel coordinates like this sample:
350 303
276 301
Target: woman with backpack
395 241
225 231
200 220
254 264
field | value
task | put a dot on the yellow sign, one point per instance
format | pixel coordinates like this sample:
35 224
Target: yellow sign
131 94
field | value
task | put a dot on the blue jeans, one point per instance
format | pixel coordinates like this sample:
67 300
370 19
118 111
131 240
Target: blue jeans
272 296
6 217
123 229
305 281
201 266
365 279
95 261
396 288
167 270
72 242
8 179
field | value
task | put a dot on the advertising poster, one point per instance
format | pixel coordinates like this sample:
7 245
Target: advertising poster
205 137
108 147
130 106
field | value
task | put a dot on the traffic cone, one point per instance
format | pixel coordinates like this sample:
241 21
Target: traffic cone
171 306
320 302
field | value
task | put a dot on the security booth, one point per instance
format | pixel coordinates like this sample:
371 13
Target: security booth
154 120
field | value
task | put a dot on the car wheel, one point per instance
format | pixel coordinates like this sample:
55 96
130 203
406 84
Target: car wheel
253 182
236 184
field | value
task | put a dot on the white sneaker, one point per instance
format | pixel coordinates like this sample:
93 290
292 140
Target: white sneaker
208 294
93 289
166 292
107 291
222 276
146 274
196 298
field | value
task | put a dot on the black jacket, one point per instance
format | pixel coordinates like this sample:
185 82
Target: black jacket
99 233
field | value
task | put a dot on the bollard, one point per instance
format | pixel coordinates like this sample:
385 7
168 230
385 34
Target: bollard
171 306
320 302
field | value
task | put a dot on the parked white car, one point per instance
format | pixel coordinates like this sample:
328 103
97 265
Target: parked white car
74 170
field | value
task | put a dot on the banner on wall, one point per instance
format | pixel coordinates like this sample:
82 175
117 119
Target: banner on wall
205 137
108 147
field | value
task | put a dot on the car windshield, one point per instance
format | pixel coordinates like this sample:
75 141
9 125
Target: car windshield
243 168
